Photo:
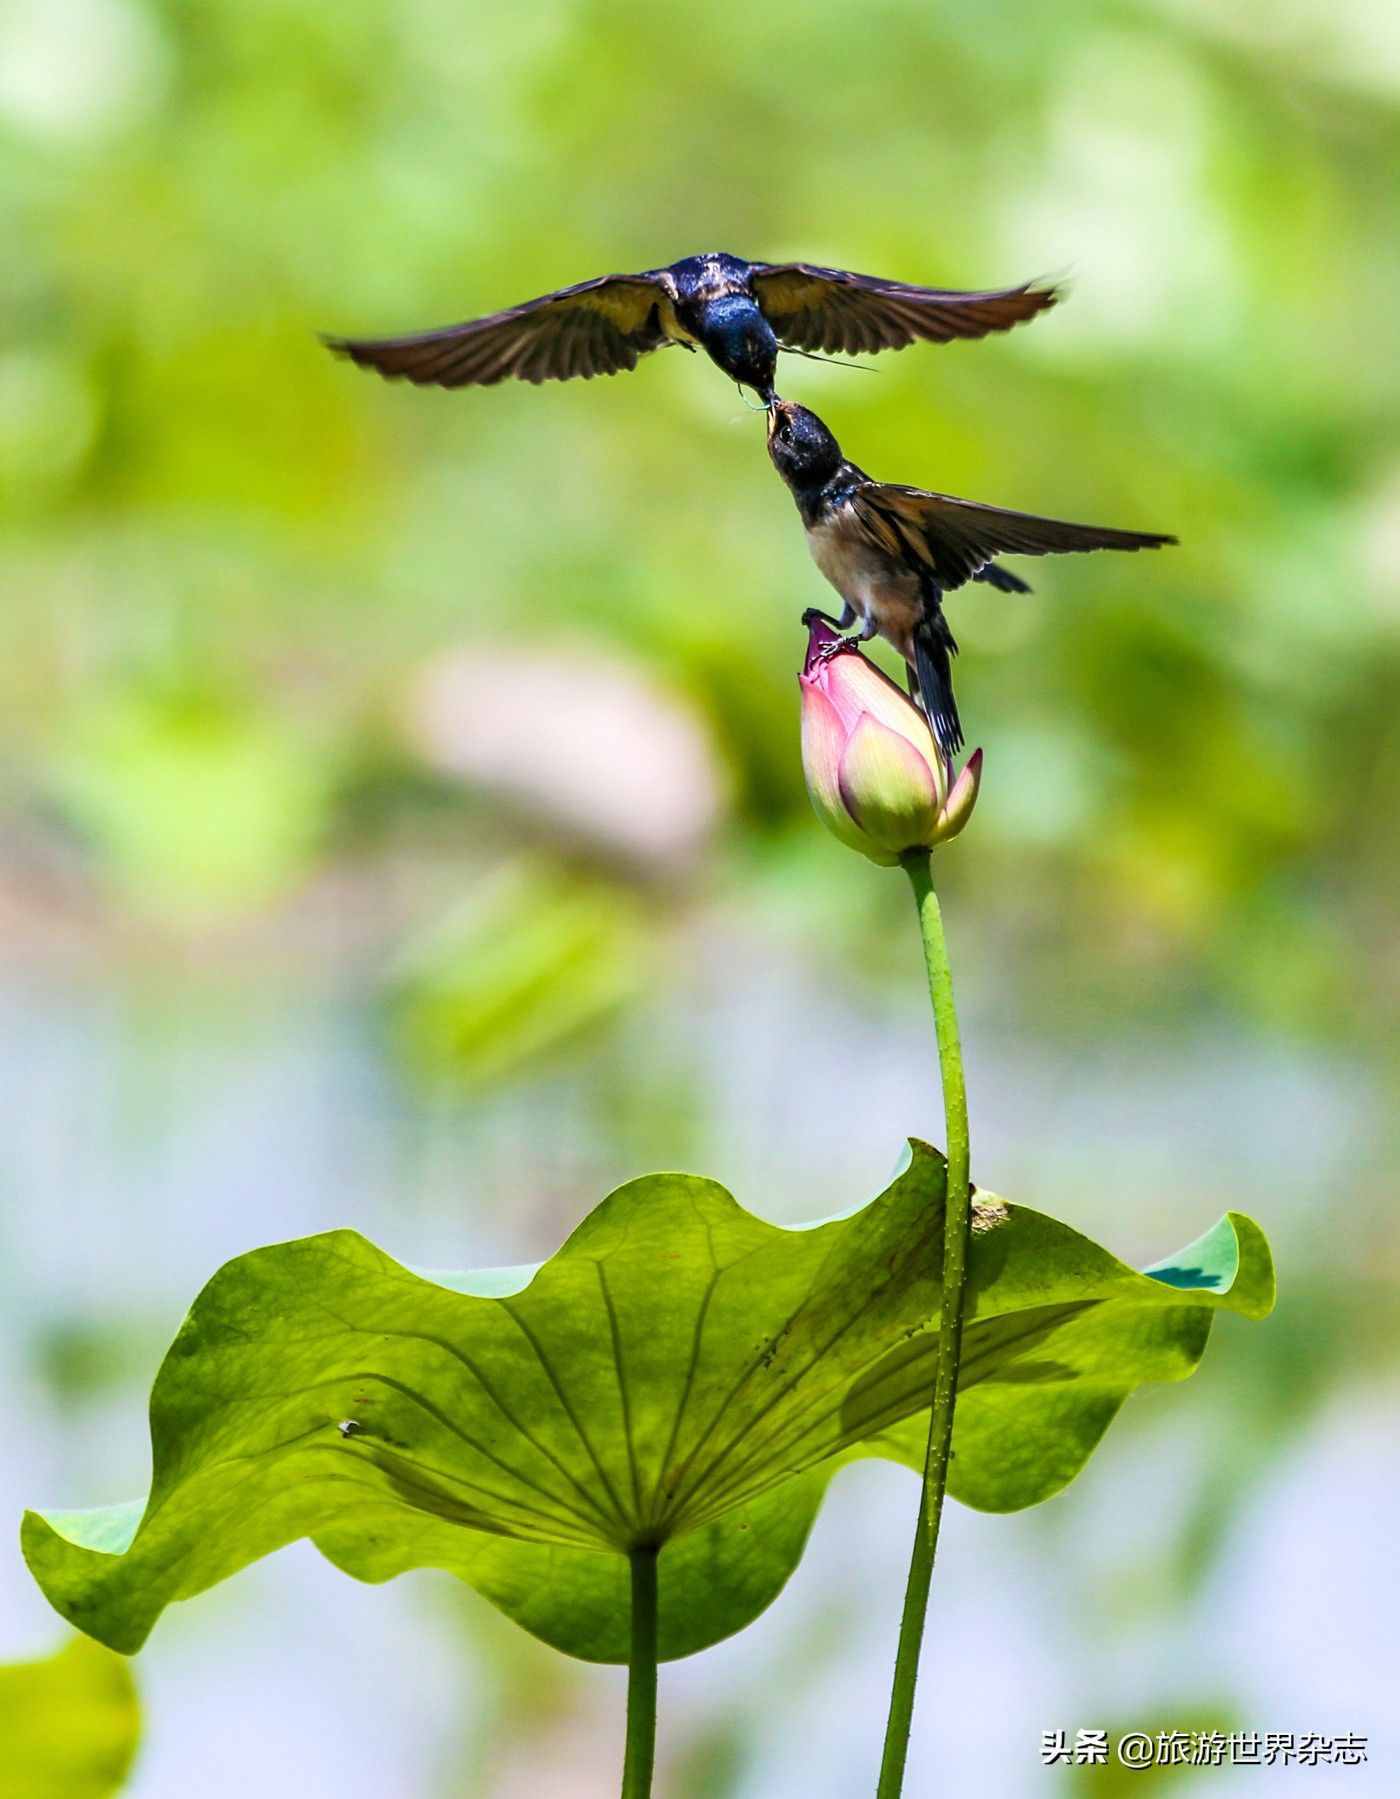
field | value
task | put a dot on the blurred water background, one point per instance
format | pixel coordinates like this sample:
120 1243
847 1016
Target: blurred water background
401 823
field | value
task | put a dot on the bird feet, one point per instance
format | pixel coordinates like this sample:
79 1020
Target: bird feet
834 646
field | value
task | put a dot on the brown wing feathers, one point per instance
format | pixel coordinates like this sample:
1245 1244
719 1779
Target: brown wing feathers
596 328
955 538
814 308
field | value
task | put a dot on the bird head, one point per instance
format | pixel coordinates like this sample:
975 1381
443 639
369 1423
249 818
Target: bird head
803 451
741 341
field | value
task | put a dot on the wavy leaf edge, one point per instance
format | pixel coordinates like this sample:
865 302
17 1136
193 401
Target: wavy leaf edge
1049 1311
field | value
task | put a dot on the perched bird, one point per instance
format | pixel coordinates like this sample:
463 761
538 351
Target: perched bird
740 313
893 552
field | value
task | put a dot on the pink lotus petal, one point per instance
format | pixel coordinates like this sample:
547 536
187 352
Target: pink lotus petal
823 744
957 809
888 788
856 687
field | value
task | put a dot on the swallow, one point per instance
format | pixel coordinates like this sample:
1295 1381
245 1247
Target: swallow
892 553
740 313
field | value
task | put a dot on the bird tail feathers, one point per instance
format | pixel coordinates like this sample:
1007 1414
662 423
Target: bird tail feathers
1002 579
933 671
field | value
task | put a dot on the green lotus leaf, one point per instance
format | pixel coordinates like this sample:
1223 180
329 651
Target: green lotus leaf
69 1724
680 1374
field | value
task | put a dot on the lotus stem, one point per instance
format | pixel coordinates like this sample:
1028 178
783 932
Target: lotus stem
956 1220
641 1677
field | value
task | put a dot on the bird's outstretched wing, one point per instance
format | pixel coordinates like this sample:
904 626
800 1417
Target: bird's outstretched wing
813 308
956 538
594 328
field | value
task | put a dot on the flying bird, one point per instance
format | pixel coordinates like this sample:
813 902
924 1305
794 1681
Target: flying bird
740 313
892 553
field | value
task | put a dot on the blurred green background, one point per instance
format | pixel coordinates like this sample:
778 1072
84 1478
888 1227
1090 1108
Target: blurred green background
401 823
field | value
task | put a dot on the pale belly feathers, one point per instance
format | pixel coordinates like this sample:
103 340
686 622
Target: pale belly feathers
867 582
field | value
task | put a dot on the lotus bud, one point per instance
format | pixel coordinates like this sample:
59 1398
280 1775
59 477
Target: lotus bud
877 779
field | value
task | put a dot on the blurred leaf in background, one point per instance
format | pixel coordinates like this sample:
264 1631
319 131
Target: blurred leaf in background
69 1725
197 803
536 958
